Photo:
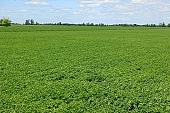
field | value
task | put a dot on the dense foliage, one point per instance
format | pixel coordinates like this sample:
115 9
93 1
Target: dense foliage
84 69
5 22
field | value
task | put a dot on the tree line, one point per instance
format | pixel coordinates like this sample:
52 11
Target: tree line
31 22
160 25
7 22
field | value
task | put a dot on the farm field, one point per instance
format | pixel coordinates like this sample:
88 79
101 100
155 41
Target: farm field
83 69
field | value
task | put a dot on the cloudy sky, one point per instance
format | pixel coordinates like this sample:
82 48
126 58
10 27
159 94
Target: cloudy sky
93 11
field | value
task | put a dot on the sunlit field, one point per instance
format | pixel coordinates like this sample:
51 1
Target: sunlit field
83 69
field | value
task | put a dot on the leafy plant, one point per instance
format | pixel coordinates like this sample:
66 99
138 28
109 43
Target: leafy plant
84 69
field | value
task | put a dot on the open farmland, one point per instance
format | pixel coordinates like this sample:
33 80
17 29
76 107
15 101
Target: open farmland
69 69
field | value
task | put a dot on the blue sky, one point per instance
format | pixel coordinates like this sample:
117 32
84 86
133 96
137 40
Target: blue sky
93 11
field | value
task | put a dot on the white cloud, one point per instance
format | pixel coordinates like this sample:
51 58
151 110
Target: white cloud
37 2
129 11
66 9
10 10
6 10
166 9
139 1
75 13
58 10
95 3
23 10
146 1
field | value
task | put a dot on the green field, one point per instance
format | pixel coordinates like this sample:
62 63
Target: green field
71 69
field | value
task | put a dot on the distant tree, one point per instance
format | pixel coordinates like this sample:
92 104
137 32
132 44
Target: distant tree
160 24
163 24
27 22
37 23
92 24
147 25
5 22
1 21
134 25
153 25
59 23
168 25
32 22
88 24
125 25
101 24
